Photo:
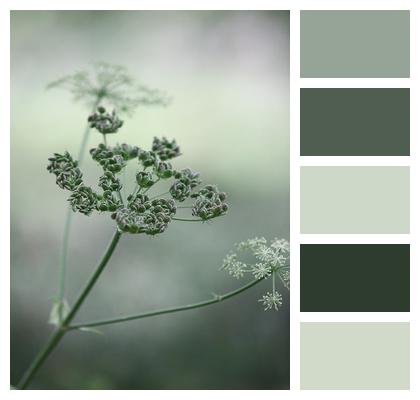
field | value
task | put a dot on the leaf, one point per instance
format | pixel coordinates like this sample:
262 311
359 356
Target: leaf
91 330
59 311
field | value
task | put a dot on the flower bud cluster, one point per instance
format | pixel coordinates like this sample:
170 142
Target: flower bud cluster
148 158
68 175
186 180
108 159
105 122
209 203
108 201
109 182
144 216
138 213
164 170
126 151
83 200
165 149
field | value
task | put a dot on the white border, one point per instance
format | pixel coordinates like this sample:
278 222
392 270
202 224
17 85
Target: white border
295 84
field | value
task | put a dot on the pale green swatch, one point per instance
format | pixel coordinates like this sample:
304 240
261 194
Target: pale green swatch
355 44
355 200
355 355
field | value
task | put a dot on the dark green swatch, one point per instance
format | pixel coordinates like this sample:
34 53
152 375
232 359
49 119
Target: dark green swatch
355 44
355 278
355 122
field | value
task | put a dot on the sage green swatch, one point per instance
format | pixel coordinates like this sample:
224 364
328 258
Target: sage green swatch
355 199
355 355
355 122
355 44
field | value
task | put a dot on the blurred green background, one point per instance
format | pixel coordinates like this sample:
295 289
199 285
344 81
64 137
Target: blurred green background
228 73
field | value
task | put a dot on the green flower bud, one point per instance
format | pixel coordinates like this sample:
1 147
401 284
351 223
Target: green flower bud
147 158
164 170
104 122
133 222
108 202
68 175
188 177
83 200
126 151
144 179
165 149
140 203
179 191
69 179
109 182
210 203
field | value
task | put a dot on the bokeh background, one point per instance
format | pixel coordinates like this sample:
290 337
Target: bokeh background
228 73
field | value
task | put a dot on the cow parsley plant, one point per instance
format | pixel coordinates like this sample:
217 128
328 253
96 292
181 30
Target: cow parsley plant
159 194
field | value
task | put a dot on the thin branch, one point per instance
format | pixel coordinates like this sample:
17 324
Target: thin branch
62 328
216 299
69 215
187 220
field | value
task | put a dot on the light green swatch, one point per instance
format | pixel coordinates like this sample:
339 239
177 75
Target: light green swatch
355 44
355 355
355 200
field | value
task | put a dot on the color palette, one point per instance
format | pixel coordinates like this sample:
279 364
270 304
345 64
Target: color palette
354 200
355 277
355 122
354 355
355 44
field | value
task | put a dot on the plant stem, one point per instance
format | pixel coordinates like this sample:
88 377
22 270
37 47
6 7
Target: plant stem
216 299
187 220
64 325
67 223
92 280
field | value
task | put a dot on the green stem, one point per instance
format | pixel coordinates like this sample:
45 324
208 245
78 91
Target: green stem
64 325
63 259
120 197
67 223
274 282
187 220
216 299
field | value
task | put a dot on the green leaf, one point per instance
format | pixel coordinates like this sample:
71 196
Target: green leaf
59 311
91 330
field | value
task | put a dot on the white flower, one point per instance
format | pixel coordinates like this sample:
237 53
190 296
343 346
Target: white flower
237 269
264 253
229 260
251 243
271 259
281 245
261 270
272 300
284 275
278 260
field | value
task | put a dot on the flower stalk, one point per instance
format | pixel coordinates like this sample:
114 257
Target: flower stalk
64 324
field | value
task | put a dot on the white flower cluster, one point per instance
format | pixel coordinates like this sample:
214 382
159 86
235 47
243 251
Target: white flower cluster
272 260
